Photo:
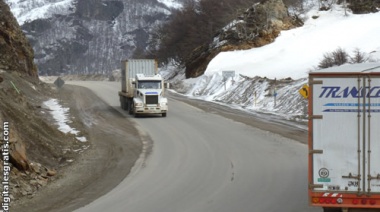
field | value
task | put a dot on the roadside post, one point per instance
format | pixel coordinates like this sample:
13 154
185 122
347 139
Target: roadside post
59 83
304 91
275 92
226 75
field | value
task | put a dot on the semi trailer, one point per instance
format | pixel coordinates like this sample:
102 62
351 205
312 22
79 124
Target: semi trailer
344 138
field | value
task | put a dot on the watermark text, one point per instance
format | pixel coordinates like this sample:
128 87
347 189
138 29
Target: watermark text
6 169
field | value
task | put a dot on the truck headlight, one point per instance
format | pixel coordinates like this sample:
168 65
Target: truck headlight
139 104
163 102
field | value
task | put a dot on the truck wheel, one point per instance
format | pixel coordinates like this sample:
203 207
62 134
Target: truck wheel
122 103
164 115
130 107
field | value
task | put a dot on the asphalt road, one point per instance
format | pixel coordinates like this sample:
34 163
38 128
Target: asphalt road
202 161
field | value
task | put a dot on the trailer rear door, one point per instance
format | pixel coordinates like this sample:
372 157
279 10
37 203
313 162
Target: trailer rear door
345 133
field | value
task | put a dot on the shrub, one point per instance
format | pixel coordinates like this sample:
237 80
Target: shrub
337 57
340 57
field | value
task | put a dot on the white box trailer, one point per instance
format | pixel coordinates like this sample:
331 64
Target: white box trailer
142 89
344 138
131 67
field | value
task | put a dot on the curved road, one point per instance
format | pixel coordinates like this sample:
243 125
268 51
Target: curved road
201 161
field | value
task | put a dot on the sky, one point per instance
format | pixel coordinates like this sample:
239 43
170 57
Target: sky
293 54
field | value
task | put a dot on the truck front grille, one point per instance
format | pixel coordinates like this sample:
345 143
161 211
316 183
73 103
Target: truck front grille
152 99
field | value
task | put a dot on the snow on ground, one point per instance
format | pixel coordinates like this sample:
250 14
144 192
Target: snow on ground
60 115
259 84
26 11
171 3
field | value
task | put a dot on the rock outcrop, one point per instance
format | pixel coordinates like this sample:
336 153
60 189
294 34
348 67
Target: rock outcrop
15 51
258 26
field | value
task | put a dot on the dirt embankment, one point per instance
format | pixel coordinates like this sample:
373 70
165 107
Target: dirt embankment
37 148
32 148
51 170
115 145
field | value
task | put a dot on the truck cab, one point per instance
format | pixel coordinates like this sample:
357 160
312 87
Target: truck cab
149 95
142 88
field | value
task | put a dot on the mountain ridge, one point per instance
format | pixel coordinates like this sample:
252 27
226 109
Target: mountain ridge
81 37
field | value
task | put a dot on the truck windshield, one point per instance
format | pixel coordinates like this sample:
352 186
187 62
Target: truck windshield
149 84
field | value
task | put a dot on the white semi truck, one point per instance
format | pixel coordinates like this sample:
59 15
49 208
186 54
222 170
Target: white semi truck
344 138
142 88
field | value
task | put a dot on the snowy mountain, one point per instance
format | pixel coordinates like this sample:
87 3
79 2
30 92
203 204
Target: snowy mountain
87 36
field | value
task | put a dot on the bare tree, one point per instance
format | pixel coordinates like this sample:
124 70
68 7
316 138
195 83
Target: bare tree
192 26
335 58
363 6
340 56
359 57
327 61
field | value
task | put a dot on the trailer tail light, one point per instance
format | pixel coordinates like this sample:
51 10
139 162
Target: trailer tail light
315 200
364 201
329 200
336 200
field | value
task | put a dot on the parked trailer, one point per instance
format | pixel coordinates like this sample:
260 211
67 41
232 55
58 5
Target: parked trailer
344 138
142 89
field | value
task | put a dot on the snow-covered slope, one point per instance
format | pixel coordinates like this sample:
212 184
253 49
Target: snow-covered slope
262 75
297 51
39 9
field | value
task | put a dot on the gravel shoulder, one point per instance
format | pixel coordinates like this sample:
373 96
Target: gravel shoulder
114 145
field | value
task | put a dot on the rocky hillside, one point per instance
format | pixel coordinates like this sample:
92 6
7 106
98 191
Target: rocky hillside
257 26
16 52
31 145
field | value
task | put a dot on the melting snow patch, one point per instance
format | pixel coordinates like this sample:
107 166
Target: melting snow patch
60 115
171 3
81 139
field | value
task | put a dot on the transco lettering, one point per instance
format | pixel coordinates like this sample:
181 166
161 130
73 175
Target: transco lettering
339 92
